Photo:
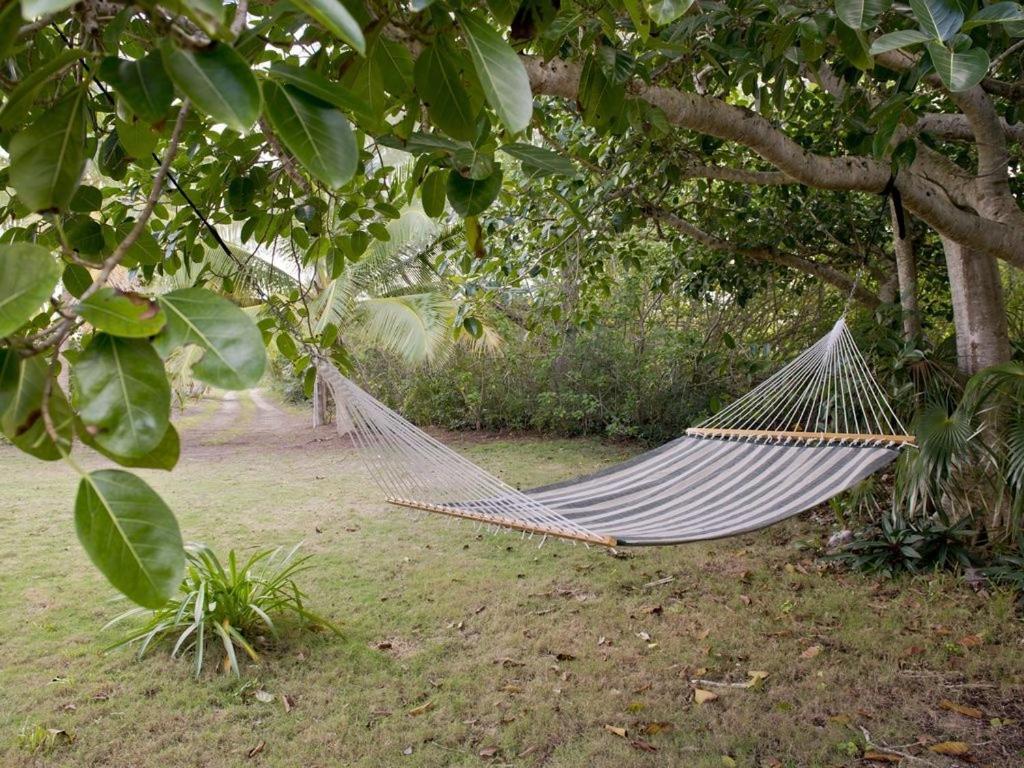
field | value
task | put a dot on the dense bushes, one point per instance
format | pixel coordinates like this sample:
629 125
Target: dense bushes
600 382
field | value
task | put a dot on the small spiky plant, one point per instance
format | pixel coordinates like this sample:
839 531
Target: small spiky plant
231 605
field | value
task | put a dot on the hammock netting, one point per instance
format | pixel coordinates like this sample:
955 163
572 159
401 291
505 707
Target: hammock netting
814 429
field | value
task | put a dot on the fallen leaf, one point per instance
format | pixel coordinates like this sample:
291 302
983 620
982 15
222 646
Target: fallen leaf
951 748
643 746
620 732
256 750
757 676
288 702
421 709
811 652
745 599
971 641
881 757
961 709
644 636
652 729
564 656
407 751
488 752
264 696
384 645
701 696
728 761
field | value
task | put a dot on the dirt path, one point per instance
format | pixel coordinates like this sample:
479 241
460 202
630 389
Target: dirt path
248 420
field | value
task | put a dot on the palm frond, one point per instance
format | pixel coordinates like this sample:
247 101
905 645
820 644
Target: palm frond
415 326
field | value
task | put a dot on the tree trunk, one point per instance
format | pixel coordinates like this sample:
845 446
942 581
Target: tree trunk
906 270
982 337
321 415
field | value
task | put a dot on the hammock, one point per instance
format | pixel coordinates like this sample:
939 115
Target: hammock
814 429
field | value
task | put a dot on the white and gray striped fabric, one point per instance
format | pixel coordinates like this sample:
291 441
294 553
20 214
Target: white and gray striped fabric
706 488
694 488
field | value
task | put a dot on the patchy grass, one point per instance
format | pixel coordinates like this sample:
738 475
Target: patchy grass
465 648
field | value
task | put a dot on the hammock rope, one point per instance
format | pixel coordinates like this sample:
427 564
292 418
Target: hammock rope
814 429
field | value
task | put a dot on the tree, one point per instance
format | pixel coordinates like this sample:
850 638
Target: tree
135 130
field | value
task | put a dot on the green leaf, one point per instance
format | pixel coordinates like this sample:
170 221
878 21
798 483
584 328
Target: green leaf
960 70
207 14
165 456
21 98
10 26
539 161
394 62
143 84
122 314
130 535
315 84
861 14
997 13
641 22
502 75
904 38
315 132
941 19
854 46
22 385
601 98
122 394
28 275
666 11
471 197
234 356
218 81
33 9
48 157
335 18
433 193
439 81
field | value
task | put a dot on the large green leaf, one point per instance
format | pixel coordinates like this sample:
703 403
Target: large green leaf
28 275
667 11
122 394
218 81
234 356
21 98
471 197
997 13
502 75
22 386
960 70
122 314
539 161
433 193
315 132
315 84
164 456
439 81
336 18
142 83
941 19
861 14
904 38
602 98
48 157
131 535
854 46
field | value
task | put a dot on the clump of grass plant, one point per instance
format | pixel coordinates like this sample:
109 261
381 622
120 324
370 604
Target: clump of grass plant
224 608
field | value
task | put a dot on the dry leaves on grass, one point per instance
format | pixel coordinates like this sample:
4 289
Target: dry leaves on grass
702 696
616 730
256 750
961 709
421 709
811 652
951 748
875 756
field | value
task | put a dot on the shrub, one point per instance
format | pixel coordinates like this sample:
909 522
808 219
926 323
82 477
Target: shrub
231 605
894 545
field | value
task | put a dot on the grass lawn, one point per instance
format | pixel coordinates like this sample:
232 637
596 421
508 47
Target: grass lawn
466 648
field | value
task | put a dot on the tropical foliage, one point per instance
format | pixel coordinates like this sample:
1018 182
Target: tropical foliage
227 609
753 138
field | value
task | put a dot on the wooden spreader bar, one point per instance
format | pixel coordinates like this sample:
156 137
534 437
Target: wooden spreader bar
846 437
506 522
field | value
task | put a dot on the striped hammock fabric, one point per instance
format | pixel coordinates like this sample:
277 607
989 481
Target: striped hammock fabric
815 429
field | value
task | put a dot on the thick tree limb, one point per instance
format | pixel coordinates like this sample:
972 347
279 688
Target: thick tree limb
926 198
770 255
952 127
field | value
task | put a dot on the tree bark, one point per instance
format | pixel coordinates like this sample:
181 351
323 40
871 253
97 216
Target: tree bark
321 414
982 336
906 270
